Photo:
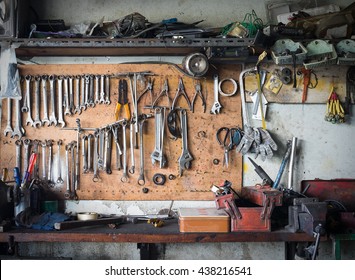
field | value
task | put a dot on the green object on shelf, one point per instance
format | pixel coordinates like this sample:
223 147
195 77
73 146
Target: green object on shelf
49 206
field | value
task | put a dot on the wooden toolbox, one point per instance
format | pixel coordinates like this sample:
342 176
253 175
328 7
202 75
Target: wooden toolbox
203 220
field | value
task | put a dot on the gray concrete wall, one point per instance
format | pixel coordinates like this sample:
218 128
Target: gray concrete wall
324 150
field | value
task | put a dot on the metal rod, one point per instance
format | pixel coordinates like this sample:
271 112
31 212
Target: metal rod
292 159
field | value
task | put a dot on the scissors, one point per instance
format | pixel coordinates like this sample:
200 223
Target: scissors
228 138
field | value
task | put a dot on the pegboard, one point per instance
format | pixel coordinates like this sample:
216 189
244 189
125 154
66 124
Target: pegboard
194 184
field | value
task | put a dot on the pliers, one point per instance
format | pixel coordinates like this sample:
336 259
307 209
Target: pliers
181 91
149 89
122 100
198 93
164 92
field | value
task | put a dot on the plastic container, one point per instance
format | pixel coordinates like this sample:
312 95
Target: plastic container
320 53
281 52
346 52
203 220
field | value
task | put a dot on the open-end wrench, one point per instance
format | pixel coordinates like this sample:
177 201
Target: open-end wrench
37 120
77 94
185 158
108 150
90 136
124 177
26 144
97 89
131 147
24 107
29 120
84 154
35 150
67 111
141 179
8 128
118 148
60 101
18 131
96 157
107 90
71 95
50 152
45 118
82 94
68 193
26 101
18 144
44 162
91 91
100 160
59 179
52 117
102 89
87 88
216 105
74 177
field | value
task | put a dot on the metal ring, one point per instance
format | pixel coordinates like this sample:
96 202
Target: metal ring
159 179
235 85
172 177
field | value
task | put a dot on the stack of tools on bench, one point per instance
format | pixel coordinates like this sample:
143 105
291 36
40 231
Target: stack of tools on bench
250 211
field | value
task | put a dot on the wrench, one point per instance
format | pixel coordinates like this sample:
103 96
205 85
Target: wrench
97 85
50 151
68 193
37 120
96 156
52 117
77 94
124 177
35 144
102 91
82 93
26 144
185 158
91 91
45 119
44 173
216 105
59 179
118 148
67 111
84 153
141 179
18 144
107 90
29 120
87 82
71 95
157 154
18 131
131 141
90 136
60 101
74 177
8 128
108 150
100 160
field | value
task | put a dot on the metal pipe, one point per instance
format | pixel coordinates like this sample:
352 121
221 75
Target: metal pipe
292 159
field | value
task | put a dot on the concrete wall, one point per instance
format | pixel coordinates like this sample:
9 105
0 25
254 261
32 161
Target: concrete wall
324 150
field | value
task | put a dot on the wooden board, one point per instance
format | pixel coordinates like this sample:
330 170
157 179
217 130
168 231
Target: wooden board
195 183
328 77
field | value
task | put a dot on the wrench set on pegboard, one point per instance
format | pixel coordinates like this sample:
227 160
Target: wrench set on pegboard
90 144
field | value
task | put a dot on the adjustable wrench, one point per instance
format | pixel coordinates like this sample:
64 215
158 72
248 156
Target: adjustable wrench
45 118
60 101
185 158
28 109
102 90
26 144
90 136
68 193
216 105
67 111
97 88
44 173
59 179
18 144
84 153
77 94
82 93
157 154
100 160
131 147
50 152
37 120
96 156
108 150
18 131
52 117
107 90
8 128
124 177
71 95
91 91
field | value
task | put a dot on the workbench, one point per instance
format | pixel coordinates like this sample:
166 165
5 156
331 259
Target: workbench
146 236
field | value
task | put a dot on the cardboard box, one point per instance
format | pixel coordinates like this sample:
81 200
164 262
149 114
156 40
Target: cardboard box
203 220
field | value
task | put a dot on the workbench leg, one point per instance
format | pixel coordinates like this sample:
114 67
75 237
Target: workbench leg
290 250
151 251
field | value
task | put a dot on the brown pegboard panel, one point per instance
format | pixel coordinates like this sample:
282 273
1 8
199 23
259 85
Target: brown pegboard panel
193 185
